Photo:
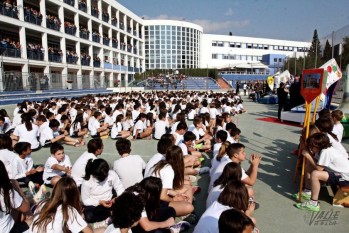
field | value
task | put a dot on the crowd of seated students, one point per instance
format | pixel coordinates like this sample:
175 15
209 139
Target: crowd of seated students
35 51
53 22
69 28
32 15
9 8
10 47
186 124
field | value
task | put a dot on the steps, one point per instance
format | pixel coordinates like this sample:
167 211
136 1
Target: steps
223 84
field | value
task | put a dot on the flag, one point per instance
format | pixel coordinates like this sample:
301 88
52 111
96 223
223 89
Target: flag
334 73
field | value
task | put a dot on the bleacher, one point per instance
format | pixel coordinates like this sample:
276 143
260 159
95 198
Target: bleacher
13 97
232 78
190 83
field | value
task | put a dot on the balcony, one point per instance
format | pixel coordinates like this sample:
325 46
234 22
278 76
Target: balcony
9 10
69 2
55 57
30 17
84 35
10 52
82 6
96 38
35 54
71 30
106 41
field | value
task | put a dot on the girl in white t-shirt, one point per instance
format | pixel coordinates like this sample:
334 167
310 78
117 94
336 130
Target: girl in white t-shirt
175 190
11 198
234 195
117 130
76 129
97 190
27 132
62 212
128 124
140 130
126 213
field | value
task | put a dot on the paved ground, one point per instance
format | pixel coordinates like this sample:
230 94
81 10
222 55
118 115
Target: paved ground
275 179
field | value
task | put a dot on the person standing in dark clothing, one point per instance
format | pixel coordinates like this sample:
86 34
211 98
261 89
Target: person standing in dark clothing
282 93
296 98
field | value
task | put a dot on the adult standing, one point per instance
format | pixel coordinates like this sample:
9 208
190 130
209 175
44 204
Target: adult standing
296 98
282 93
237 87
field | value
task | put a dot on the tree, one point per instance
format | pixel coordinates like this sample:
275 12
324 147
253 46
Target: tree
314 51
327 52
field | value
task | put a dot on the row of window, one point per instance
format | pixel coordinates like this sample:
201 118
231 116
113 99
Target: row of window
170 28
236 57
257 46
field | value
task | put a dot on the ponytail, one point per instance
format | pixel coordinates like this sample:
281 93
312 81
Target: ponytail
97 168
26 119
222 150
88 169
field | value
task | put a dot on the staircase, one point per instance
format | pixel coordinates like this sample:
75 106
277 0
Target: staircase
223 84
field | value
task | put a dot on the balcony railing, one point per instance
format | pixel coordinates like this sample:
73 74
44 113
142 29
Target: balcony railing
85 61
106 41
69 2
96 38
52 25
32 18
10 52
55 58
70 30
84 35
82 7
8 10
35 54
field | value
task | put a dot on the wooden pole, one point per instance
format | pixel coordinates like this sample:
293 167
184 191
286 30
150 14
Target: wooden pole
306 124
315 109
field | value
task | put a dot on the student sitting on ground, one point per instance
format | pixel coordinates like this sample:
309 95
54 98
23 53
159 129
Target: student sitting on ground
58 165
140 130
338 129
117 130
160 126
97 190
94 149
331 167
129 167
235 221
203 139
96 128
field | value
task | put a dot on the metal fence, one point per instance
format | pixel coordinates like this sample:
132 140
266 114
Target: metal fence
18 81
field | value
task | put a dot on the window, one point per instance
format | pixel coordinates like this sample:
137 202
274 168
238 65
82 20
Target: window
249 46
275 59
214 43
214 56
220 44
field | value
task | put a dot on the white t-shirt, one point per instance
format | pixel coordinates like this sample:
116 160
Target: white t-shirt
334 162
213 113
22 166
74 128
49 172
129 169
179 138
198 133
28 136
160 128
174 127
127 124
117 127
338 130
112 229
46 134
154 160
93 126
108 120
92 191
191 114
184 148
208 222
215 163
166 174
140 126
216 148
75 222
338 146
78 169
7 157
6 220
204 110
213 195
216 174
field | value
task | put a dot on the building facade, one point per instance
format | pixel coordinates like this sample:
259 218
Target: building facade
171 44
69 44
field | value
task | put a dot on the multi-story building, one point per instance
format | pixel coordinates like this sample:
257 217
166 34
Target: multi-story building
171 44
69 43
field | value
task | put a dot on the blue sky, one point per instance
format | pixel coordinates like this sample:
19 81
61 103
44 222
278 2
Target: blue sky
277 19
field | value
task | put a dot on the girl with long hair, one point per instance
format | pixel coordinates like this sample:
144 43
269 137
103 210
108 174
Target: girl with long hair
117 130
11 199
76 130
62 212
155 216
97 190
174 191
27 132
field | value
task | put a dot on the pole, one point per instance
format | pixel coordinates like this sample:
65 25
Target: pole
315 53
304 58
332 44
295 63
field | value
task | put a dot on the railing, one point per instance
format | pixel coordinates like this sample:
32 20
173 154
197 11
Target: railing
69 2
70 30
96 38
96 63
55 58
14 80
105 18
35 54
82 7
72 59
52 25
32 18
84 35
115 44
106 41
10 52
95 13
8 10
85 61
